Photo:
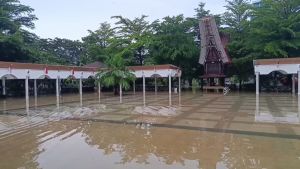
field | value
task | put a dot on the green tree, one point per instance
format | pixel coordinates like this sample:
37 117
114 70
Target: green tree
236 19
275 29
201 11
174 43
67 51
13 17
135 35
116 75
236 16
96 43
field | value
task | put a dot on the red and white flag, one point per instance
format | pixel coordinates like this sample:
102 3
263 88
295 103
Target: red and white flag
46 70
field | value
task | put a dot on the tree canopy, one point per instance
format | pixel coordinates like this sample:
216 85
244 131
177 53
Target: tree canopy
265 31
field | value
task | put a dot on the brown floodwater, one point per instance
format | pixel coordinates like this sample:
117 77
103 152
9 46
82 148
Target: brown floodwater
197 131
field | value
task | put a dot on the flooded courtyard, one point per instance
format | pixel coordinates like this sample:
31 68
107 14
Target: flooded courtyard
201 131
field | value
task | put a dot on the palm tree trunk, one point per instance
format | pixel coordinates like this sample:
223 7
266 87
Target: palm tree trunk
121 93
116 90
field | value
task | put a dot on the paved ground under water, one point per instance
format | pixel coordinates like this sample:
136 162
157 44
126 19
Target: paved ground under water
201 131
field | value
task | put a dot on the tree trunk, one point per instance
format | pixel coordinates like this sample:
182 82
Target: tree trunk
116 90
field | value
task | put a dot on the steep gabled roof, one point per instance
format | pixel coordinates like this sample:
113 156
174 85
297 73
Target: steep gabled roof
210 34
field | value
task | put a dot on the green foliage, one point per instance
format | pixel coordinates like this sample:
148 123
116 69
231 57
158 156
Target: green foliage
268 31
236 16
275 29
195 85
174 44
271 30
96 44
116 73
201 11
65 51
14 16
134 35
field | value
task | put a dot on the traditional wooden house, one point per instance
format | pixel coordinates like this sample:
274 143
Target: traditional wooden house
213 55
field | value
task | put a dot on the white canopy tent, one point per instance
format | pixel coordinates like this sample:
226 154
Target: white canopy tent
26 71
283 65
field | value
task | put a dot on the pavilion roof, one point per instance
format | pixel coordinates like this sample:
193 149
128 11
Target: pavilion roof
90 67
153 67
210 35
277 61
37 71
34 66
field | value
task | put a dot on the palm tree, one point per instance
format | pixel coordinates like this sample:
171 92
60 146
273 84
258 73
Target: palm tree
116 75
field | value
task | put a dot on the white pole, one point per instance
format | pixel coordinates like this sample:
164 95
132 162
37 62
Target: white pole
3 86
257 106
299 109
179 84
35 88
257 83
57 91
35 94
27 93
170 90
293 84
155 81
179 89
80 90
299 83
99 91
144 90
4 106
121 94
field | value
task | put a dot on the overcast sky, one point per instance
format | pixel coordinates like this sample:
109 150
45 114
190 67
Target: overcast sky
72 18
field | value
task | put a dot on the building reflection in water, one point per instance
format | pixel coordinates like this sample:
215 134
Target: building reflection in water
75 144
277 113
84 144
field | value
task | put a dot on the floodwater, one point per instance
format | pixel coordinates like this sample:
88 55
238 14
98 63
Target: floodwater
197 131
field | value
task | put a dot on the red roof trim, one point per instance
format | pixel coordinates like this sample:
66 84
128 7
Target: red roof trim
277 61
16 65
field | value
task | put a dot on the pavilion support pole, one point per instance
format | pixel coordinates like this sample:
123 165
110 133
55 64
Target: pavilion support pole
257 106
27 93
170 90
4 86
179 84
293 84
155 83
57 91
121 94
35 93
298 108
144 90
257 83
80 91
99 91
35 88
298 83
179 89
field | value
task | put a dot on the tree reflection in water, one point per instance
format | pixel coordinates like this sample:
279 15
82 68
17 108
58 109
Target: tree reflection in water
97 144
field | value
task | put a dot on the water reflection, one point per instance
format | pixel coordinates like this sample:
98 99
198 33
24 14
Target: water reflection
156 110
75 144
276 114
45 139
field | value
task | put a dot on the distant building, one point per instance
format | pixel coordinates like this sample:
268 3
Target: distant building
213 55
